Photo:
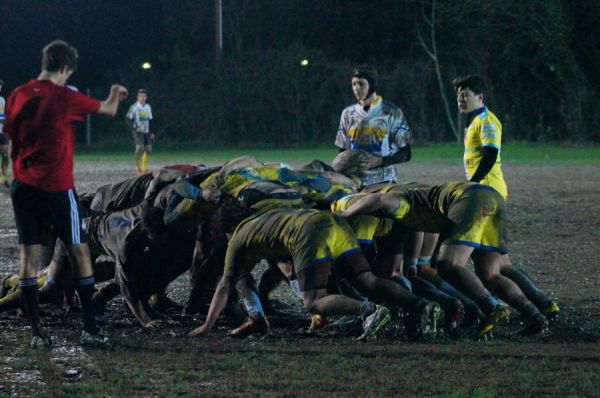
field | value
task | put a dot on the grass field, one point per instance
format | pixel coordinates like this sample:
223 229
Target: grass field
446 153
554 231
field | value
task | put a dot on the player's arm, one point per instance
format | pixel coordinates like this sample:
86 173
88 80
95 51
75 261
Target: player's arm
111 104
403 155
377 202
488 159
217 305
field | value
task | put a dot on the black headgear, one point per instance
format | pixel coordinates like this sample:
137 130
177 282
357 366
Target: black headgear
368 73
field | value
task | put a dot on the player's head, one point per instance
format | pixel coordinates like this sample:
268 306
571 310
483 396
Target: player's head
470 92
227 217
364 82
151 220
142 96
59 57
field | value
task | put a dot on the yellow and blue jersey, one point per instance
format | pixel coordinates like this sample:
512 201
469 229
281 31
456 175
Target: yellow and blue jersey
381 130
485 130
2 106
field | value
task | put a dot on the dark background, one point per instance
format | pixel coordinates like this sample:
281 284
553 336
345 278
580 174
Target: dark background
541 58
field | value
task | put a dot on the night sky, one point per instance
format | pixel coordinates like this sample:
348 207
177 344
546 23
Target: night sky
107 34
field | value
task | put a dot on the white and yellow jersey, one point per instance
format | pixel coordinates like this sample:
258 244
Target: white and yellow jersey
485 130
141 116
380 130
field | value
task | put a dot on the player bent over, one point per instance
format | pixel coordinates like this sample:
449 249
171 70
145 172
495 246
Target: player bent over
39 121
470 219
316 241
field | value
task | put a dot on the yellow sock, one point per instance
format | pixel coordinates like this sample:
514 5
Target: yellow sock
138 161
4 169
145 161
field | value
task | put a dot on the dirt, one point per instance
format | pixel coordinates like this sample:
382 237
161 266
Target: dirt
554 235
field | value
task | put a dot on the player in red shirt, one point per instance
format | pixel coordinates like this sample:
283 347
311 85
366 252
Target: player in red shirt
40 118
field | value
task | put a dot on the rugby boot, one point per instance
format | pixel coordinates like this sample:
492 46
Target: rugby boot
251 326
422 319
317 322
534 325
374 322
473 316
552 311
491 320
97 340
40 342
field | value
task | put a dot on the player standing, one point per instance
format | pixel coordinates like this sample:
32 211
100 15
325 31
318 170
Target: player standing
39 121
140 114
375 126
483 139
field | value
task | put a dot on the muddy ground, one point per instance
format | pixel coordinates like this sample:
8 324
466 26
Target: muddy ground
554 235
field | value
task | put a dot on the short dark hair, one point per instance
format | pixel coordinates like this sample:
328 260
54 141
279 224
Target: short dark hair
142 91
57 55
475 83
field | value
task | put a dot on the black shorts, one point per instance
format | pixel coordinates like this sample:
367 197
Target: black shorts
3 139
142 138
36 210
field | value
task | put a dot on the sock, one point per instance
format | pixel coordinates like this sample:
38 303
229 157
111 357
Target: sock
138 161
404 282
4 169
423 261
411 263
488 304
367 308
529 310
85 290
253 306
29 289
527 286
145 160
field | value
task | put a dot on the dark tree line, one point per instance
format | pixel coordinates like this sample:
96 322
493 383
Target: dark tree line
541 58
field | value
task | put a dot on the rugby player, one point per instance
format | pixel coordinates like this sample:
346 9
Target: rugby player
470 219
39 122
483 140
140 114
375 126
316 241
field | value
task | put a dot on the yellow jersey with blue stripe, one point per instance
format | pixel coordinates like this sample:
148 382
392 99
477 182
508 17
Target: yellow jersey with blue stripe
308 236
381 130
484 130
366 227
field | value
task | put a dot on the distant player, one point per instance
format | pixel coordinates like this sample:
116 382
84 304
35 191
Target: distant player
375 126
140 114
483 140
3 143
39 122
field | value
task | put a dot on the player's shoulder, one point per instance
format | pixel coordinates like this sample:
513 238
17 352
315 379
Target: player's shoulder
390 108
349 109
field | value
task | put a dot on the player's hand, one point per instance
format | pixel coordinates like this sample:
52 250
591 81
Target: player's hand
369 161
120 91
152 136
199 331
211 194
